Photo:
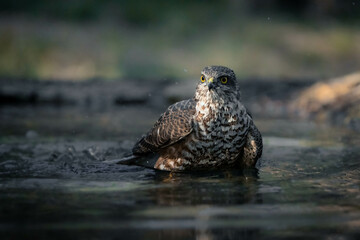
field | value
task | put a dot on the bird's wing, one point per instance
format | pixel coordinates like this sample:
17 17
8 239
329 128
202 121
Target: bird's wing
253 147
173 125
248 112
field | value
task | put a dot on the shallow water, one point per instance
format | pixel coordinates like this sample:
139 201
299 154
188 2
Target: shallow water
54 183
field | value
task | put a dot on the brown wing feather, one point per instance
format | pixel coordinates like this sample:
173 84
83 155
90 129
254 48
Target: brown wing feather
172 126
253 146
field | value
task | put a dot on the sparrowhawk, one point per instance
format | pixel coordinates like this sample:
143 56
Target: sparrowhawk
212 130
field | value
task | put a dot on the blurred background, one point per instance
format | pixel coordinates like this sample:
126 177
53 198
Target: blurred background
109 39
82 80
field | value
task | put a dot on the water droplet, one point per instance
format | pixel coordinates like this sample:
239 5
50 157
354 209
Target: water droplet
70 148
31 134
268 18
185 70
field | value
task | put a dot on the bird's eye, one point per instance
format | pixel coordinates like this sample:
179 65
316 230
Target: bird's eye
202 78
223 80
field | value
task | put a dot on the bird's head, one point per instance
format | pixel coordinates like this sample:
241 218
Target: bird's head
218 80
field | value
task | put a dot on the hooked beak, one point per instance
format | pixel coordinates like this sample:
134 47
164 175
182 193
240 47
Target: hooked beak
211 84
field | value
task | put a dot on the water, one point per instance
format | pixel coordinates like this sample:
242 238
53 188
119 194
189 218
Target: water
54 183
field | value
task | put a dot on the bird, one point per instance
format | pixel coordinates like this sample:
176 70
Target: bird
212 130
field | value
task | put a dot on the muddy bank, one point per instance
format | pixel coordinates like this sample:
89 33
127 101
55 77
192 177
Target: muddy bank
110 109
266 96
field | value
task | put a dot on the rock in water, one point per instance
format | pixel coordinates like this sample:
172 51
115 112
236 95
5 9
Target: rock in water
336 101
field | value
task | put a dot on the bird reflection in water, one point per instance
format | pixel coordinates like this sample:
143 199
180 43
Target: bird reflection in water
199 204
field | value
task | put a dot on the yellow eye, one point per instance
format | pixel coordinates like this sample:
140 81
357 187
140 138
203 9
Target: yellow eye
202 78
223 80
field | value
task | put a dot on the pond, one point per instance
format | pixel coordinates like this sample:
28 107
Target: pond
55 185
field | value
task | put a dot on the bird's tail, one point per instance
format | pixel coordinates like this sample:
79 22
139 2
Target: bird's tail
147 160
128 160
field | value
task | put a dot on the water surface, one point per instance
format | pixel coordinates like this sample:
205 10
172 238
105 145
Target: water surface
57 186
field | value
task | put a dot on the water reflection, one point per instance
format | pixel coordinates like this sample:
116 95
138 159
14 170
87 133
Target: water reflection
189 205
223 187
302 189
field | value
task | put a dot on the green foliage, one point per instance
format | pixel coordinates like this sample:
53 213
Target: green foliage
145 12
114 39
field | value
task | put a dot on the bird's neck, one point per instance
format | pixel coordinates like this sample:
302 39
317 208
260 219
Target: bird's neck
210 105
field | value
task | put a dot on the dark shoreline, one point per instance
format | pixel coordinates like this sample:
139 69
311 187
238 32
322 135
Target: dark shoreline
265 98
